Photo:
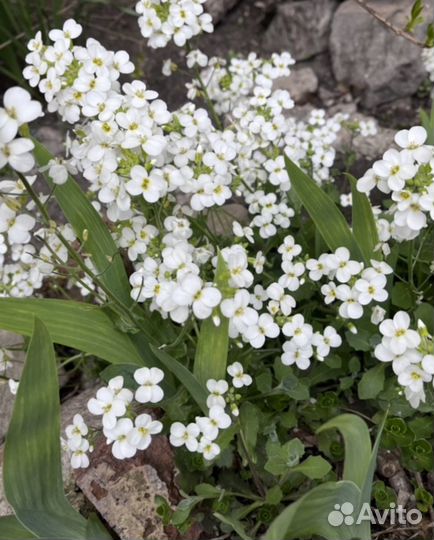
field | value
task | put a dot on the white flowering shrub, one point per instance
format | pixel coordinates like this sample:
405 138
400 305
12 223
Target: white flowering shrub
218 276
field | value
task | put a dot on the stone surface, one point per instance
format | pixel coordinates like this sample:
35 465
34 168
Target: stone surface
301 83
370 59
8 339
219 8
123 492
220 219
301 27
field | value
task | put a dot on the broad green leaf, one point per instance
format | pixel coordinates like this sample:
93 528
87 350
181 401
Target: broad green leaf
12 529
372 382
83 217
357 446
364 225
314 467
402 295
212 346
327 217
309 516
32 458
74 324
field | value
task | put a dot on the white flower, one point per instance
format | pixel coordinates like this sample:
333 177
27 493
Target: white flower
148 379
184 435
323 342
217 389
398 336
238 311
18 227
377 315
13 386
150 185
413 140
108 405
428 363
19 109
216 419
79 457
140 436
239 378
76 431
396 167
300 332
413 377
371 290
117 385
208 448
192 291
350 307
345 268
265 327
17 154
294 354
120 436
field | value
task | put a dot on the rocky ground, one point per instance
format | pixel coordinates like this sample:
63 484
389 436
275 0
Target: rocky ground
346 61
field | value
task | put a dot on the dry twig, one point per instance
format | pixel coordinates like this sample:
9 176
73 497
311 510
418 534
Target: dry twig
398 31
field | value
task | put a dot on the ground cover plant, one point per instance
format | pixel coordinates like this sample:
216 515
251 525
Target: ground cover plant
277 332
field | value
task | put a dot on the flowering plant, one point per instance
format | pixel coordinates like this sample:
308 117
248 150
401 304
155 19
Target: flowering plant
219 278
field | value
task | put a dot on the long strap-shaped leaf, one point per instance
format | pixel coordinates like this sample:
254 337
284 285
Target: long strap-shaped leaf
81 326
212 346
98 242
32 461
12 529
364 227
327 217
358 446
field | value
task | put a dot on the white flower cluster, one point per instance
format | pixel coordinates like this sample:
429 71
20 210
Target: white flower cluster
411 353
349 282
116 406
200 435
407 175
161 21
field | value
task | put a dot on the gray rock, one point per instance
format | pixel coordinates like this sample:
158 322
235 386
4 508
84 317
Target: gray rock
219 8
300 84
370 59
301 27
14 369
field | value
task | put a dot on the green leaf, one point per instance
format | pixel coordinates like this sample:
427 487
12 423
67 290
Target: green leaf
95 530
359 341
32 459
274 495
372 382
314 467
357 446
364 224
282 457
249 422
327 217
83 217
425 312
402 295
212 346
11 529
236 525
184 376
427 121
80 326
308 516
